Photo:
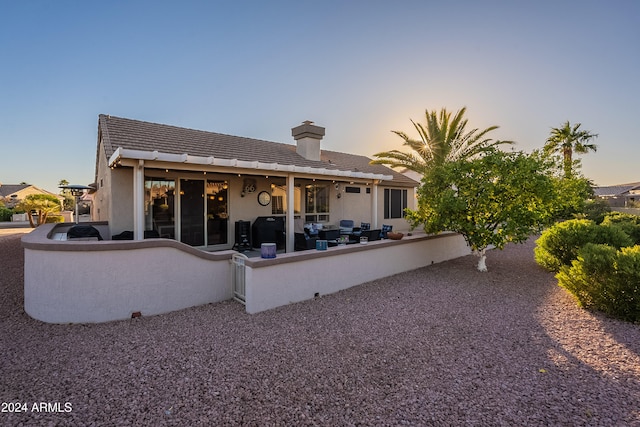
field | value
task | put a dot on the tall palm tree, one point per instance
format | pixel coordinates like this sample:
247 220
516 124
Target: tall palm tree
567 140
442 139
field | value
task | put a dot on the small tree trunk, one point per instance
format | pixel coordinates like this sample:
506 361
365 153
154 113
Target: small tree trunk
30 216
42 217
482 265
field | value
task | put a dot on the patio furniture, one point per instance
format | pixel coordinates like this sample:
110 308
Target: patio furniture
328 234
371 235
243 236
385 230
268 229
346 226
304 242
83 232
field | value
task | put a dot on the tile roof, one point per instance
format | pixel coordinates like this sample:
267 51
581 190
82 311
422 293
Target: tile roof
615 190
7 189
145 136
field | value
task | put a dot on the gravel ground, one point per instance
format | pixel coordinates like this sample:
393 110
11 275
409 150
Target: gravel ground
442 345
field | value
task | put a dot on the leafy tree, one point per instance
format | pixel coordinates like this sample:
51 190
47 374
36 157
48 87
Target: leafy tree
69 203
43 204
573 194
5 213
567 140
442 139
491 200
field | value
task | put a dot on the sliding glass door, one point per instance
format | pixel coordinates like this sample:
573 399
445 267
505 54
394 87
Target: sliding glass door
217 212
192 229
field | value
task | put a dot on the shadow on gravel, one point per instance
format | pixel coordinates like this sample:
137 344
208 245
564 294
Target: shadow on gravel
442 345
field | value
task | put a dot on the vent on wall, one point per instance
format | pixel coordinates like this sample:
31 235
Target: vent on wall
352 189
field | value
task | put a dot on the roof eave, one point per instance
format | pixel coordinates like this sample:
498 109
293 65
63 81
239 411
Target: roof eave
125 153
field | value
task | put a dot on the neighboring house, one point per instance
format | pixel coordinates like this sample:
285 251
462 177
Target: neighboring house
195 186
11 195
623 195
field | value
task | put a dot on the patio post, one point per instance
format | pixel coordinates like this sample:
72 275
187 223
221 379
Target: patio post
374 204
138 201
290 244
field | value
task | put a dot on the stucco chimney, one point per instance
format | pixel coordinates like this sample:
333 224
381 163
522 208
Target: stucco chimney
308 137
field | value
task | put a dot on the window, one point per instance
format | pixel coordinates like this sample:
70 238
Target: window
316 203
279 199
159 206
395 202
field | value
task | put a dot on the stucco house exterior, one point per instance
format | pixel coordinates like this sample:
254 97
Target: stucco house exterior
195 186
622 195
12 194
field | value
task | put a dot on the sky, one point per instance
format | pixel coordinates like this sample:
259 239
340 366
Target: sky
359 68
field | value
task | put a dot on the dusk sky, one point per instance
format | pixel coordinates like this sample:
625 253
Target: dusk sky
358 68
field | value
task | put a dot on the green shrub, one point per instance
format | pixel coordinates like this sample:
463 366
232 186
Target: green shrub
52 219
596 209
5 213
559 244
605 279
630 224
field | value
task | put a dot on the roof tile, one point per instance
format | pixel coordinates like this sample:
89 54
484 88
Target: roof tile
139 135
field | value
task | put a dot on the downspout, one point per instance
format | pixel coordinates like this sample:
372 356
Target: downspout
290 244
138 201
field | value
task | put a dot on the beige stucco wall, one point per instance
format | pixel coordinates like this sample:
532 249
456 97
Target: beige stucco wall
91 281
101 210
80 282
270 284
113 201
121 204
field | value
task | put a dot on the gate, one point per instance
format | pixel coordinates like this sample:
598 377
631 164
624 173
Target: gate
238 276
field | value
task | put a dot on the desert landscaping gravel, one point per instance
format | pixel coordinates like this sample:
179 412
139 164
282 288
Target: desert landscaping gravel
443 345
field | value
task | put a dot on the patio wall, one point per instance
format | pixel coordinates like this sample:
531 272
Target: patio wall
85 282
99 281
297 277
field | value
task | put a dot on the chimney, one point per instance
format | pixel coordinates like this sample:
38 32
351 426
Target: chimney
308 137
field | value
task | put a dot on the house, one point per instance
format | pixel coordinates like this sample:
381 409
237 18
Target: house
622 195
11 195
200 187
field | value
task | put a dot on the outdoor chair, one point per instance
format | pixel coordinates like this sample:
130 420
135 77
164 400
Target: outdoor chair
346 226
385 229
303 242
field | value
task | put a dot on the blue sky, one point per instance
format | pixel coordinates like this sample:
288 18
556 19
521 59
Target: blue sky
358 68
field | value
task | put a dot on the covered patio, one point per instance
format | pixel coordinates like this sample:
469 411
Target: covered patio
155 180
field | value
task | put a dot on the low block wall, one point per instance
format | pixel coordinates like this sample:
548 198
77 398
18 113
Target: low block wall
297 277
631 211
99 281
85 282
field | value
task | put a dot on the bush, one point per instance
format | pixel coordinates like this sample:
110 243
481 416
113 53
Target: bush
559 244
596 210
630 224
52 219
605 279
5 213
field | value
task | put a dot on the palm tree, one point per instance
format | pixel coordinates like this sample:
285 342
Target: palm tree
442 140
567 140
